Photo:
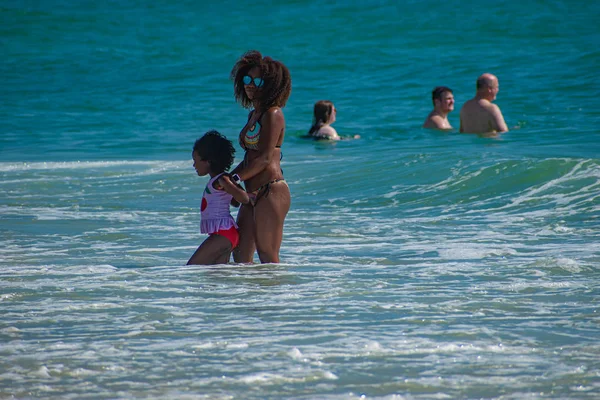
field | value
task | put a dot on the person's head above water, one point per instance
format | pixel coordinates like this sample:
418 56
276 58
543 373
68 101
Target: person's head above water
443 97
324 114
324 111
214 149
487 86
260 81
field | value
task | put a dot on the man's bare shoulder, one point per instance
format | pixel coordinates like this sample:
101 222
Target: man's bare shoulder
477 116
435 121
488 105
478 107
468 106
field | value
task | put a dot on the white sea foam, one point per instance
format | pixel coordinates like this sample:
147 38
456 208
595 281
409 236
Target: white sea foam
295 354
263 378
42 372
158 165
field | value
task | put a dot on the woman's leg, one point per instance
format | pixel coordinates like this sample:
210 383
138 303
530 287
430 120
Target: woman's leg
269 215
244 252
216 249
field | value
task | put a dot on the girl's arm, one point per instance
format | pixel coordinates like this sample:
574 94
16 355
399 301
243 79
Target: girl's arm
272 124
233 189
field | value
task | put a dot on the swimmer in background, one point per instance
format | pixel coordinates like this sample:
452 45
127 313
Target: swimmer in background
213 155
480 115
324 114
443 104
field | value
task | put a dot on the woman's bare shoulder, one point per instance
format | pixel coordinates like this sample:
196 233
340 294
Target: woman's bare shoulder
273 114
328 132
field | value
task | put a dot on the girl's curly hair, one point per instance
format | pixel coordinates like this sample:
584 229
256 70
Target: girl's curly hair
216 149
276 77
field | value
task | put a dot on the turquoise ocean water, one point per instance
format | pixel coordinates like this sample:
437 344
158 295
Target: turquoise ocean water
415 264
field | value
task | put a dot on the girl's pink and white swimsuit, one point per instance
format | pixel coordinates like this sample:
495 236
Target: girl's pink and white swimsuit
214 211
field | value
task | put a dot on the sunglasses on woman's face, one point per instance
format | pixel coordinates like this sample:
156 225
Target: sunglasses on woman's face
258 81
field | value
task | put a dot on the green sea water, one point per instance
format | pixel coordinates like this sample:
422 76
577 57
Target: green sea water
415 264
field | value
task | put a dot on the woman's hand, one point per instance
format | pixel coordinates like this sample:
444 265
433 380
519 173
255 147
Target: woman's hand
238 193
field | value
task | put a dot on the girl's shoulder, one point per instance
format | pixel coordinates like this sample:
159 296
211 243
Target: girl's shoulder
215 182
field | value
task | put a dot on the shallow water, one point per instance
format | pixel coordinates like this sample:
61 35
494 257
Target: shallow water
415 264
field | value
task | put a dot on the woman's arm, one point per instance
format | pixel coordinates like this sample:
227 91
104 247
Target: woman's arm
238 167
272 124
236 191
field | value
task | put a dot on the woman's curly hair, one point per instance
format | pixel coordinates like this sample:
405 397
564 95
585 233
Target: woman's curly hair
217 150
276 77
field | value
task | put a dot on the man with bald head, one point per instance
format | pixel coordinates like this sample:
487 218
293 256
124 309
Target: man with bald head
479 115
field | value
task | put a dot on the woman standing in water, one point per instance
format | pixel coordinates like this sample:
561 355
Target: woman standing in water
264 85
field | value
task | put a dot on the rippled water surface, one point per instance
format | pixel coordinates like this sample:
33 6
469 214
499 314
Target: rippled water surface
415 264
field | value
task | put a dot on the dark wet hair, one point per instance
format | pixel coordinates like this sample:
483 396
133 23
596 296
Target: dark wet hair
216 149
321 115
438 92
276 77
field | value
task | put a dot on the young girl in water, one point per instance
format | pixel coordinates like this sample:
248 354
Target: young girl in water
213 154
